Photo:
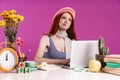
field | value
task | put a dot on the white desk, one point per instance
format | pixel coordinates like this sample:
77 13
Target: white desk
58 74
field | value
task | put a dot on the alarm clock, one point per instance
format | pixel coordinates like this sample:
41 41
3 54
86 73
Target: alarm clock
8 59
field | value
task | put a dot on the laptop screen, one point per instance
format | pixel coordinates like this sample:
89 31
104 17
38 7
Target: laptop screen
82 52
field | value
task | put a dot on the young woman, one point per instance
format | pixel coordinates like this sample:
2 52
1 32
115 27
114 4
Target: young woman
55 47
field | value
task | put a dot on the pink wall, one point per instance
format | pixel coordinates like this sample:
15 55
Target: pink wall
94 18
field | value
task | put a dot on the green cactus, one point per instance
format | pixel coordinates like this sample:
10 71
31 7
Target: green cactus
102 49
105 50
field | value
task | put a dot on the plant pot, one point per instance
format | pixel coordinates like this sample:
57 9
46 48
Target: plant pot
101 59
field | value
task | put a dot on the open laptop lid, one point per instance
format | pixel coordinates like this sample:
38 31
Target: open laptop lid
82 52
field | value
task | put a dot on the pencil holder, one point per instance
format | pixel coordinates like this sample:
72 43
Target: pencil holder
21 59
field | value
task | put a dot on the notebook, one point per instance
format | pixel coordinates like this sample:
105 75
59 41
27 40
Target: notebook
82 52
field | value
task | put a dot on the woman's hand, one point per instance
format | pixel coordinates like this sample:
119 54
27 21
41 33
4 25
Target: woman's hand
65 61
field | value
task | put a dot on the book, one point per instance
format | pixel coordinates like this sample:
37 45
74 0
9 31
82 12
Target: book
106 59
113 65
113 56
115 71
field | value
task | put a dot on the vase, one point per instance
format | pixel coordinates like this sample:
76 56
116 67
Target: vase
11 41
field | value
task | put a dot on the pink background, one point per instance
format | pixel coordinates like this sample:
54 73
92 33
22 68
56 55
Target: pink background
94 18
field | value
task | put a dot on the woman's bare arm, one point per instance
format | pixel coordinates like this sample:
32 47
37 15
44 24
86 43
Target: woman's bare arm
52 61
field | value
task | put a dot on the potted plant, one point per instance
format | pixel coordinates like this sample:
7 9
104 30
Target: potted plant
102 52
9 23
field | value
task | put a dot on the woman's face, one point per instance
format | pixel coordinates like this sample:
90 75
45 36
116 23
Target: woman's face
65 21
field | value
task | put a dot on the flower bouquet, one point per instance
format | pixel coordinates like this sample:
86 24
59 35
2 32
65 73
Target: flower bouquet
10 23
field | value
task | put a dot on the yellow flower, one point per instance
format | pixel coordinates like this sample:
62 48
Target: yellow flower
15 21
21 18
13 17
5 14
3 23
12 12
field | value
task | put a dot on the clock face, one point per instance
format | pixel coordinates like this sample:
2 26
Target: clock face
8 59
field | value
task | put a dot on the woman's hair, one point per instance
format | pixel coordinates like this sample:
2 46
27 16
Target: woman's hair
55 26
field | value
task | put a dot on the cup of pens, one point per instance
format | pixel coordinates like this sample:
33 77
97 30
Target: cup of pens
22 58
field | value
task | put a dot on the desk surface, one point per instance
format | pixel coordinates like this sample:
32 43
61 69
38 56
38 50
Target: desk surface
58 74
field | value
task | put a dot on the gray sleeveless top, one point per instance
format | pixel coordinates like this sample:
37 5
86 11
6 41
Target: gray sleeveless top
53 52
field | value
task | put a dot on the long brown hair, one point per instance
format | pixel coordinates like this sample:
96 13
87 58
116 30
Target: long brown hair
55 25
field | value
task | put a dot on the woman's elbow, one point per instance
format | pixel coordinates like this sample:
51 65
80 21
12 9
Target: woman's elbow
38 60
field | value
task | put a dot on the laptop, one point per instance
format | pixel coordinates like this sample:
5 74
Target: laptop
82 52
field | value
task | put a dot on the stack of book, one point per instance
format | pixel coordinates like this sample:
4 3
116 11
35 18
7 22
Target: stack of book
112 64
